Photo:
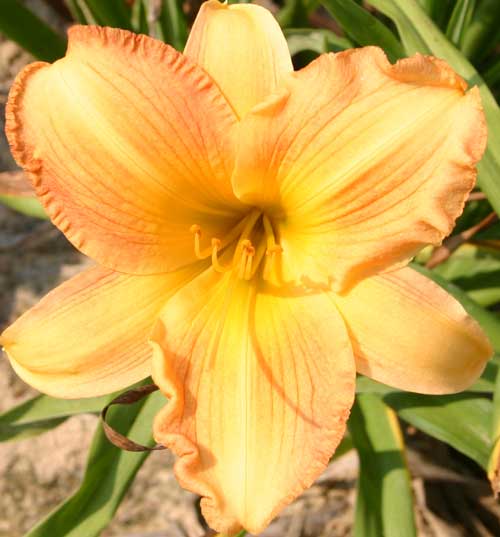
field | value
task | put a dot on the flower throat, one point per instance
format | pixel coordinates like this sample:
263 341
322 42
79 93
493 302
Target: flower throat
248 246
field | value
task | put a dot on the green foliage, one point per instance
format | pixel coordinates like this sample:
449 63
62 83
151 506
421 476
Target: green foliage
110 472
489 322
363 27
26 205
115 13
318 41
385 502
460 420
293 14
171 25
21 25
460 21
43 413
479 37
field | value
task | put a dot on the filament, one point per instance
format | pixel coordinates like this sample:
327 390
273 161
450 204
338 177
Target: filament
246 259
216 244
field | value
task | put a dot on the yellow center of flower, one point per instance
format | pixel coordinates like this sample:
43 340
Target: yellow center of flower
251 244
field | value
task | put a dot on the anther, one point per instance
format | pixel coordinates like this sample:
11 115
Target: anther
248 265
275 249
271 255
247 252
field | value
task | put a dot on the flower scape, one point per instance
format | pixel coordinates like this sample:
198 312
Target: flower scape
251 227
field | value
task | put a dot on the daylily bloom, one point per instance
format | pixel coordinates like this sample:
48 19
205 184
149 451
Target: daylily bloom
251 227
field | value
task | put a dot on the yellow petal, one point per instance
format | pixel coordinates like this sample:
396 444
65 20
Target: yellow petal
407 332
260 388
375 166
128 144
242 48
89 336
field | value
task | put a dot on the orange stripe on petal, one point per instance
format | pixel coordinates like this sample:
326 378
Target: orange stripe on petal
242 48
373 168
128 144
409 333
260 388
89 336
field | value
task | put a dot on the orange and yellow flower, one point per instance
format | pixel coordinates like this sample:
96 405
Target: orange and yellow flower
251 227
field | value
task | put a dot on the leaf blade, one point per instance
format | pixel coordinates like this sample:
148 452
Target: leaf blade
385 501
364 27
19 24
107 478
460 420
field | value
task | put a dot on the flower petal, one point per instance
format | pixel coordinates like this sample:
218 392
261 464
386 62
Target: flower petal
128 144
407 332
260 388
373 168
242 48
89 336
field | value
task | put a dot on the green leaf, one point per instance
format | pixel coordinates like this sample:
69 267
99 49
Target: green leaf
344 447
25 28
474 212
485 384
115 13
438 10
80 12
363 27
461 420
489 322
319 41
42 413
385 503
460 20
495 418
479 37
492 75
293 13
476 271
109 473
490 233
420 34
170 24
494 460
26 205
139 18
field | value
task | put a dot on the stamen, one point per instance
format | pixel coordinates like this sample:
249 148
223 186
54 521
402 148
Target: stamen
196 229
245 258
272 248
268 228
248 265
257 258
216 244
246 247
243 228
271 259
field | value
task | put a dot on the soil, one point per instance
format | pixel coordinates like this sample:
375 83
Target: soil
452 495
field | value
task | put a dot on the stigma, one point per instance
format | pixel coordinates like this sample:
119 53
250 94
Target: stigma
249 248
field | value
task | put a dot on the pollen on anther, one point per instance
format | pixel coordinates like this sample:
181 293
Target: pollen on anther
276 249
